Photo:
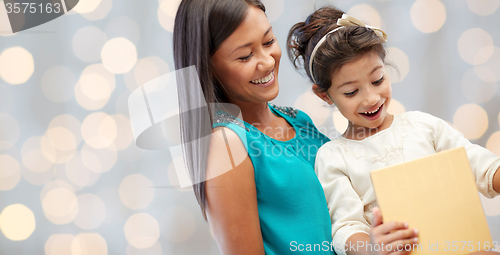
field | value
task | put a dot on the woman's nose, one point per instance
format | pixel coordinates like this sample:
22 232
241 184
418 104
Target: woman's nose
266 62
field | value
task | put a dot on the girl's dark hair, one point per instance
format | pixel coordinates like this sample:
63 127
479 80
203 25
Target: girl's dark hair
200 28
340 47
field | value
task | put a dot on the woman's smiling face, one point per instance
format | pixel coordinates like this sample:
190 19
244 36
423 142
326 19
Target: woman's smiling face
247 62
361 90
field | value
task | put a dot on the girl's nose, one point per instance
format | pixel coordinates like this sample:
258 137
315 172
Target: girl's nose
372 97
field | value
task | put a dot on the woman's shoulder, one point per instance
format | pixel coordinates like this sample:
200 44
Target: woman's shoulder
294 115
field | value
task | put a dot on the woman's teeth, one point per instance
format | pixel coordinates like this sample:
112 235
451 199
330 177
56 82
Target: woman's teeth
370 113
264 79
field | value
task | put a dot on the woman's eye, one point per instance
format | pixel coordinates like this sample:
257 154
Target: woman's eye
270 42
350 94
246 58
377 82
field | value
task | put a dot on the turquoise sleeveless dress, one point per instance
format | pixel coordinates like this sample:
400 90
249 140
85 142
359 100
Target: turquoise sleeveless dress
294 217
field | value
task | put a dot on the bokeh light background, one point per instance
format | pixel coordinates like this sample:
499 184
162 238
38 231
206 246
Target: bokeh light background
72 180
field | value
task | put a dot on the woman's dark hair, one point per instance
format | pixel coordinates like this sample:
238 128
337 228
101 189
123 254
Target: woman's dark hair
200 28
340 47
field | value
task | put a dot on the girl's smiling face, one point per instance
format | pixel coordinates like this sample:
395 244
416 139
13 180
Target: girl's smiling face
247 62
361 90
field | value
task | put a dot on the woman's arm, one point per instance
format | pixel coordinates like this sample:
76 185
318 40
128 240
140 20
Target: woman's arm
231 197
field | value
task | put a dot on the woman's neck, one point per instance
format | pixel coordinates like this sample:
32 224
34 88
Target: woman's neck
258 115
261 117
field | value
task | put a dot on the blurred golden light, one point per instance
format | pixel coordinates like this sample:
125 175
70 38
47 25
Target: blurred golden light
313 106
17 222
493 143
5 28
62 138
471 120
100 12
57 84
490 71
136 191
475 46
124 135
428 16
123 26
99 160
10 172
79 174
89 244
95 87
60 205
16 65
153 250
88 42
339 121
119 55
61 141
178 224
367 14
166 14
142 230
395 107
400 60
9 131
36 158
84 100
59 244
86 6
37 178
148 69
477 90
54 185
35 161
92 211
485 74
99 130
69 122
483 7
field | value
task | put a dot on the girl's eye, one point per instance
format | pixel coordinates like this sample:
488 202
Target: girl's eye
377 82
270 42
246 58
350 94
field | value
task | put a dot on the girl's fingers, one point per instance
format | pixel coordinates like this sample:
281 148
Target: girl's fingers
385 228
377 217
409 234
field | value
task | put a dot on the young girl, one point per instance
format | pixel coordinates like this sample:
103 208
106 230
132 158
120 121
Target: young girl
345 59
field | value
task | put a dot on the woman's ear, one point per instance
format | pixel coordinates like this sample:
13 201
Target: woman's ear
323 95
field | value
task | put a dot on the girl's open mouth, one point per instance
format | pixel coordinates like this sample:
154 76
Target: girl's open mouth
374 114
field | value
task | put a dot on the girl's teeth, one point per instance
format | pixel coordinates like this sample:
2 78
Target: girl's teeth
373 111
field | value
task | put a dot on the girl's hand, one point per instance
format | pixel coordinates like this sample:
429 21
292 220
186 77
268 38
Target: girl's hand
391 237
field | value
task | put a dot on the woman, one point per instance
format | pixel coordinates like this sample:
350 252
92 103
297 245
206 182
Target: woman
271 201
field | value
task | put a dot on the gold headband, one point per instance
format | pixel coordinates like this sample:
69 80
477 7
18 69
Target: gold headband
345 21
